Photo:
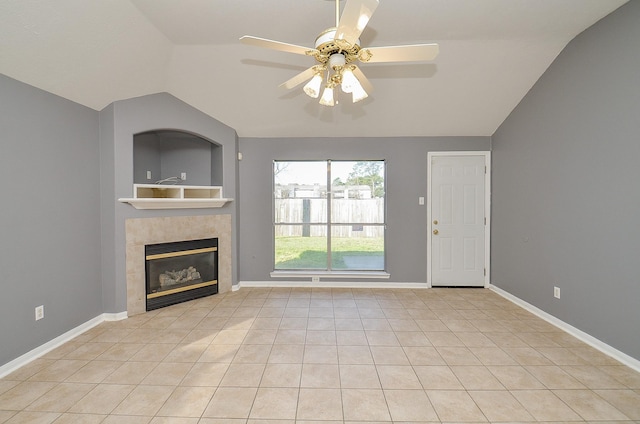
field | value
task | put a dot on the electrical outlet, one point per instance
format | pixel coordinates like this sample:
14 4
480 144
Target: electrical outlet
39 312
421 200
556 292
148 175
183 176
315 279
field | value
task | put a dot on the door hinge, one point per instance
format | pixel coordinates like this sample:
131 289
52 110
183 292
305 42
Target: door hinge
485 272
485 169
485 220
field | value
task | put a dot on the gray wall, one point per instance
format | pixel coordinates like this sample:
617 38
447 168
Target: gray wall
406 178
189 155
124 119
49 217
146 157
566 200
107 207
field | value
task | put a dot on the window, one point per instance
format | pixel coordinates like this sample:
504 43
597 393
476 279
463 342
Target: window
336 229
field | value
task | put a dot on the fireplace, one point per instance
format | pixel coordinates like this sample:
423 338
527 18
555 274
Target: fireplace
140 232
179 271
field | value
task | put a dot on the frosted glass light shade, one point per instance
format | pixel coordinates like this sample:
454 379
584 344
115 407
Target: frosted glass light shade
327 97
312 88
358 93
349 81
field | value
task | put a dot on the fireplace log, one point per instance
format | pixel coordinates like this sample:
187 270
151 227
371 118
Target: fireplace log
171 278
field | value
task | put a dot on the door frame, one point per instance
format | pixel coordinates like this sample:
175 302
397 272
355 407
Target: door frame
487 210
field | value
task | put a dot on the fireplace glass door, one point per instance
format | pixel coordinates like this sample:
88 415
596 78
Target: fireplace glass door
180 271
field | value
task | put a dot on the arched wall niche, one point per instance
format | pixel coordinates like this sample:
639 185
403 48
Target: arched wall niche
165 155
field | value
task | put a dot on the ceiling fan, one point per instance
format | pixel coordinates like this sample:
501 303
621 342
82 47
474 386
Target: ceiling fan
337 49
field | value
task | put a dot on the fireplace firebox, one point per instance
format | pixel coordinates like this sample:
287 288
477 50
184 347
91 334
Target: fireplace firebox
180 271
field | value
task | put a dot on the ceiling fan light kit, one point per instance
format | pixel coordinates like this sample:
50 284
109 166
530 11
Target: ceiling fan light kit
337 48
327 96
312 88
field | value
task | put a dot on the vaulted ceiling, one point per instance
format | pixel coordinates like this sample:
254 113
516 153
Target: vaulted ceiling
95 52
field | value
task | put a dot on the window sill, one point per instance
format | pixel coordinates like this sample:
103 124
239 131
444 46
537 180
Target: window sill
330 274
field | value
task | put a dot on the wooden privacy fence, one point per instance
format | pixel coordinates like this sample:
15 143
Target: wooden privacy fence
363 217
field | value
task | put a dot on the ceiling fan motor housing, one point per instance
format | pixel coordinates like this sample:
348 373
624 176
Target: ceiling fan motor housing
327 45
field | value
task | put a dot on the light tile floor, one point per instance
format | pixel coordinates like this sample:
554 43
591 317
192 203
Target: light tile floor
325 356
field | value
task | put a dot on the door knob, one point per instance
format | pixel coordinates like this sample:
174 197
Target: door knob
435 222
435 232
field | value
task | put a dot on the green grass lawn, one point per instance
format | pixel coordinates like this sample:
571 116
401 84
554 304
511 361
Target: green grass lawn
310 252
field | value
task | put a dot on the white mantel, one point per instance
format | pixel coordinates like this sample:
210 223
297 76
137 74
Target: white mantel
157 196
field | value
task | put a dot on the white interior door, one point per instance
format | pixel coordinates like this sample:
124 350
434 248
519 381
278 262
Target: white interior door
458 219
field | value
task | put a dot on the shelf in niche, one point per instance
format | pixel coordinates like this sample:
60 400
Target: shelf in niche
157 196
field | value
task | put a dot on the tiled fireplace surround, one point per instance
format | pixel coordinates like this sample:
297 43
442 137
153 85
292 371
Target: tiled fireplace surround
142 231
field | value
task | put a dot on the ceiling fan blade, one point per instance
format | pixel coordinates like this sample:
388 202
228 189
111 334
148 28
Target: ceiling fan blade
364 82
274 45
408 53
299 79
354 19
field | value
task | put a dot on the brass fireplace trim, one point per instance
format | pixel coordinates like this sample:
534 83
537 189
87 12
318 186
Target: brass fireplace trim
181 253
181 289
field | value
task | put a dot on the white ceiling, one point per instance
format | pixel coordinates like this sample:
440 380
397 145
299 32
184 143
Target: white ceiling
95 52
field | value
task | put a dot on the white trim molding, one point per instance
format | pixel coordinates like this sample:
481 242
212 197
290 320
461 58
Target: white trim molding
330 274
41 350
118 316
335 284
579 334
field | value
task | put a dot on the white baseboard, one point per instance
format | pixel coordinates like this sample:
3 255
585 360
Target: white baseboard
334 284
579 334
117 316
23 360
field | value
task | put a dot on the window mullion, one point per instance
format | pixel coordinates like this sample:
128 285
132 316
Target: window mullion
329 198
